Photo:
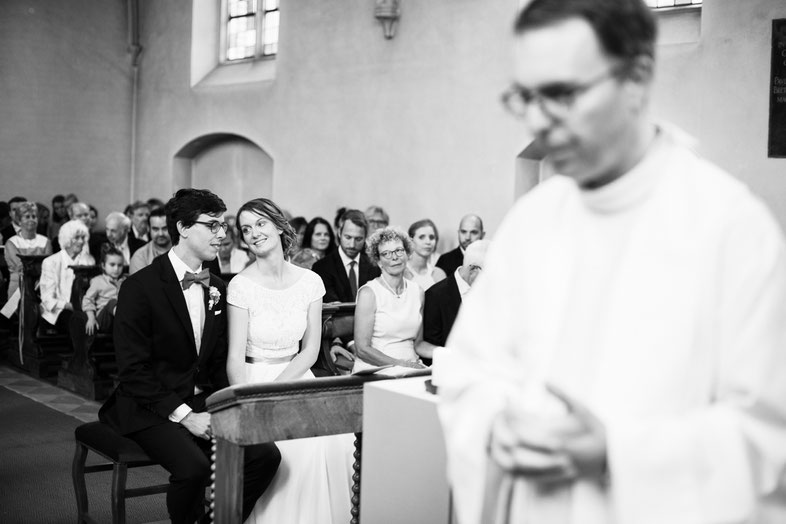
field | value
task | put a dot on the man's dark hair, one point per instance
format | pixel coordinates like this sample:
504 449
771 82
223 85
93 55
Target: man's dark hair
58 199
5 210
16 199
356 217
626 29
186 206
158 212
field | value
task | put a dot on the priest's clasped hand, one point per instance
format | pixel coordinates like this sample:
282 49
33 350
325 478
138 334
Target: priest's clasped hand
550 449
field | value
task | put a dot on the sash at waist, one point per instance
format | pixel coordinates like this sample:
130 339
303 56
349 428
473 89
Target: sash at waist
269 360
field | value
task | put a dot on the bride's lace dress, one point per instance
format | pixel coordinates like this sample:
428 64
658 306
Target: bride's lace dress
313 483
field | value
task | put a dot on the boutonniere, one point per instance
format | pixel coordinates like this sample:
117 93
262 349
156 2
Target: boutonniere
214 295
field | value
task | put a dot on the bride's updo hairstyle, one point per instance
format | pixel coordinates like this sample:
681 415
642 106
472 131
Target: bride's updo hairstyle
264 207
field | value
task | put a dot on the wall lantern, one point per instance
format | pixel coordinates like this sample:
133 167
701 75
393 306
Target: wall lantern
388 12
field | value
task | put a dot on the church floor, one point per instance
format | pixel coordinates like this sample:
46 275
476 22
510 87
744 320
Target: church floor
49 395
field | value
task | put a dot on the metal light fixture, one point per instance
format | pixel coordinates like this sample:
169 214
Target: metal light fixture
388 13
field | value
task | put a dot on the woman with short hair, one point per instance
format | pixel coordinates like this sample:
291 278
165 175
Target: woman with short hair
389 310
26 242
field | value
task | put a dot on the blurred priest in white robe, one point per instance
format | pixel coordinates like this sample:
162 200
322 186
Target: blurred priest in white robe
622 358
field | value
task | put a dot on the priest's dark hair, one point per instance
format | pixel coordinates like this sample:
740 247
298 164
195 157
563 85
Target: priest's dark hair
626 29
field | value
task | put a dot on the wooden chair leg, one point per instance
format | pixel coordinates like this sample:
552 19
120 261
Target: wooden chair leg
78 477
119 474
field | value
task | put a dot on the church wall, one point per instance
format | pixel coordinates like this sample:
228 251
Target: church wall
412 124
717 90
65 100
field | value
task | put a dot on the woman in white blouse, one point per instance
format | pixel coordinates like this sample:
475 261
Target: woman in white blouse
57 277
25 242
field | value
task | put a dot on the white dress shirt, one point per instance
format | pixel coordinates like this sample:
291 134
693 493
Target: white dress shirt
346 260
195 297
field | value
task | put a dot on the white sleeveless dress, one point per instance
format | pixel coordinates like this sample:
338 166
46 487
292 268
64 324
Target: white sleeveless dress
396 322
313 482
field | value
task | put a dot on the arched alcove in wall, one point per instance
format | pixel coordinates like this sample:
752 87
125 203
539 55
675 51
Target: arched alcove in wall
531 169
233 167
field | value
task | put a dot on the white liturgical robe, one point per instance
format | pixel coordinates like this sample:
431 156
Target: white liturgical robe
658 301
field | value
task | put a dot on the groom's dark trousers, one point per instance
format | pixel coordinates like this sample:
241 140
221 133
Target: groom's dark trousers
158 370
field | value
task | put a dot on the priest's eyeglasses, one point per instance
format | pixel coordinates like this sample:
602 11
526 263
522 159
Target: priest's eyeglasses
214 225
387 255
556 99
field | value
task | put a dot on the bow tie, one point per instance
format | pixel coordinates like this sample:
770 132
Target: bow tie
203 277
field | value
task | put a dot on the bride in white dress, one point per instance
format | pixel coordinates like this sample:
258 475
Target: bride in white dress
275 320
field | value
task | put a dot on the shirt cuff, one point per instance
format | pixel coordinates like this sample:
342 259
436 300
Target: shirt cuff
350 344
180 413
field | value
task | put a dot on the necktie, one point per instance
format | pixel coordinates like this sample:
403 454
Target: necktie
203 277
353 280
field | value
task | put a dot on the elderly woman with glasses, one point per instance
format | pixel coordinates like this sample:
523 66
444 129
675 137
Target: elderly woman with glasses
389 310
26 242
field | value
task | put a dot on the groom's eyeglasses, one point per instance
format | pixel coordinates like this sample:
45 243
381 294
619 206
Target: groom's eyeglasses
214 225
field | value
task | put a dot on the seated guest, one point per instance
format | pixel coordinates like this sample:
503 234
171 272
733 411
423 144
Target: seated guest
116 226
421 267
6 227
345 269
443 299
57 277
470 229
140 228
80 211
59 217
154 203
12 228
388 315
26 242
43 219
318 240
377 218
299 225
100 299
232 259
93 218
337 219
160 243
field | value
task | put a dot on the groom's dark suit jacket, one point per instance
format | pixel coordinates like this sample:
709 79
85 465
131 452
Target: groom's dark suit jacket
334 276
156 354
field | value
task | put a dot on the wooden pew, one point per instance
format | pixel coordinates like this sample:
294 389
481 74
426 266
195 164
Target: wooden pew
337 321
88 370
35 352
257 413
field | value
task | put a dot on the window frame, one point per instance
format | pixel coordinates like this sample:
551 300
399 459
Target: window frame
259 19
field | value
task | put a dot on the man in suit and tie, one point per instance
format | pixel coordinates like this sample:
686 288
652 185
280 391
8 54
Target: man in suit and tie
347 268
443 299
470 229
170 337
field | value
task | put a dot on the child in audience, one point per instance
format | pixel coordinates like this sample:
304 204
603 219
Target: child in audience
100 299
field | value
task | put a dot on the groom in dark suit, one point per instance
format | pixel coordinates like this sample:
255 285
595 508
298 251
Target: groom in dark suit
347 268
170 338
